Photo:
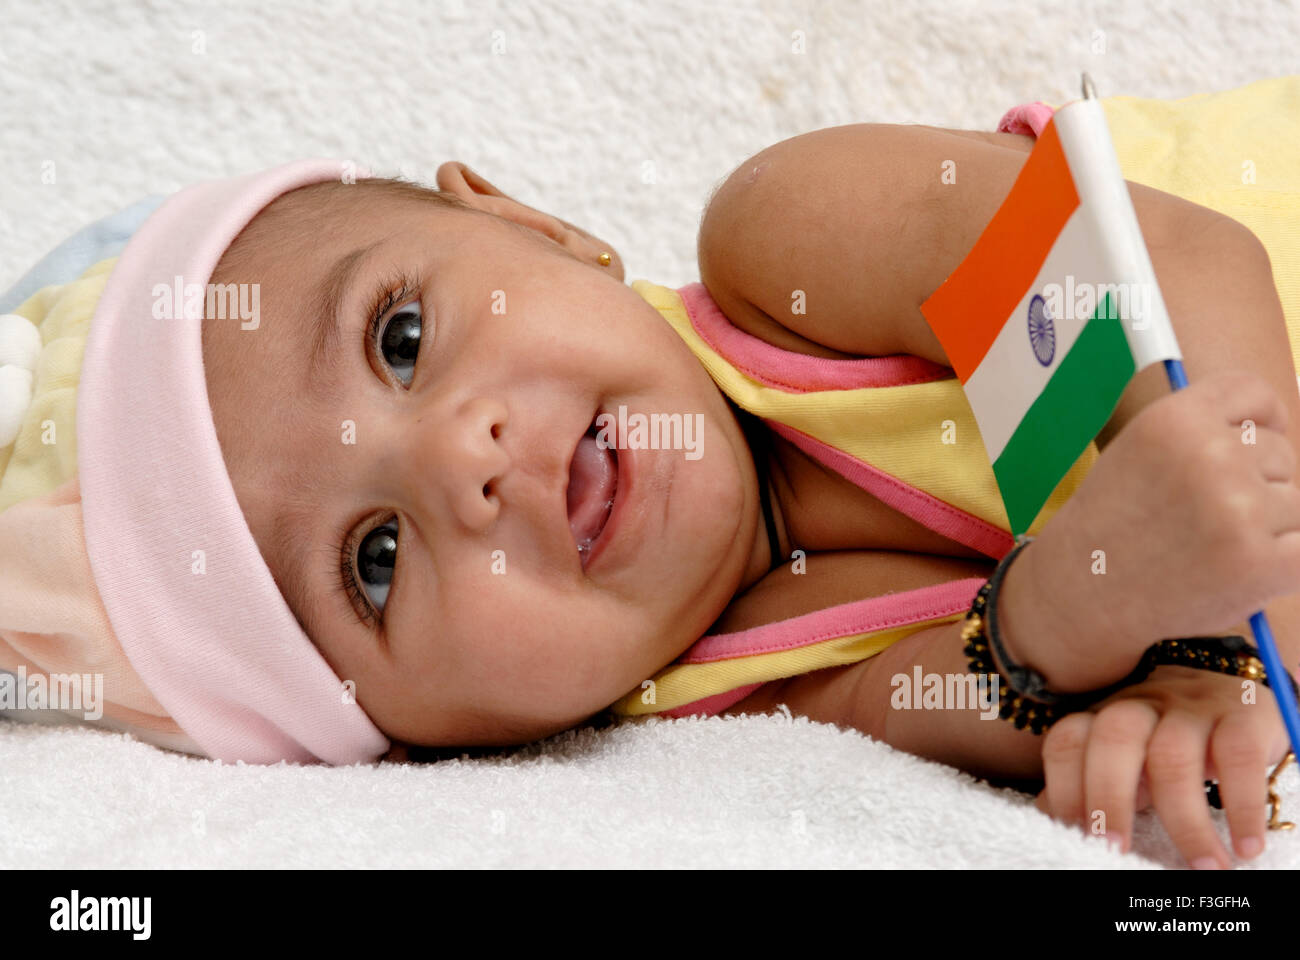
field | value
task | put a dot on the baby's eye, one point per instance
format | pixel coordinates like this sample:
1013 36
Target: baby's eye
399 342
376 558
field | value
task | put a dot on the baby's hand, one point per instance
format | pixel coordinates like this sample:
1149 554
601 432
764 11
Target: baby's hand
1197 519
1157 742
1198 515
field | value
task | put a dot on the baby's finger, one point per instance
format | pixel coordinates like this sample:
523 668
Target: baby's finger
1063 752
1112 765
1240 757
1176 772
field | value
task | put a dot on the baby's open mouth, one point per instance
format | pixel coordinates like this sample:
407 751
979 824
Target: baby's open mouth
593 481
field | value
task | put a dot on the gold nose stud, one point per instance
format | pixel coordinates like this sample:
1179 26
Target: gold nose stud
604 258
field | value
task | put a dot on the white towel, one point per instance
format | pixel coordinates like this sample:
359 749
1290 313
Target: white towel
619 117
720 792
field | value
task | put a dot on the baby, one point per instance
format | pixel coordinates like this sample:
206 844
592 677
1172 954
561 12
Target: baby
505 494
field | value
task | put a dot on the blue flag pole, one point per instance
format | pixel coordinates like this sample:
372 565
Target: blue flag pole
1276 671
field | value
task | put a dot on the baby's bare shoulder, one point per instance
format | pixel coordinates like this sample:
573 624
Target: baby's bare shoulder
839 234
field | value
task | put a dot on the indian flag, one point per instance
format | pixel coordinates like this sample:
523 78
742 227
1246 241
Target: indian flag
1053 311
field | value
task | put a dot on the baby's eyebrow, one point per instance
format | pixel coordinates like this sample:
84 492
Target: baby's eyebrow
327 316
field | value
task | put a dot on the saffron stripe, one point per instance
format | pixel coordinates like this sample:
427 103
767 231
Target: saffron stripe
972 305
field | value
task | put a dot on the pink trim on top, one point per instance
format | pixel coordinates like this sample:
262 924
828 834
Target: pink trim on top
927 509
797 372
1027 119
846 619
843 620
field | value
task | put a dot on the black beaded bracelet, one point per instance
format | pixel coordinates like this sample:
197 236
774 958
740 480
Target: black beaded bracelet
1023 696
1023 680
1231 654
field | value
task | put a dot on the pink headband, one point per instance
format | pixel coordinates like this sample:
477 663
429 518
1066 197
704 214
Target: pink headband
220 649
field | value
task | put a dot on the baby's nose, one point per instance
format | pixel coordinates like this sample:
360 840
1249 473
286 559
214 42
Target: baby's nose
468 462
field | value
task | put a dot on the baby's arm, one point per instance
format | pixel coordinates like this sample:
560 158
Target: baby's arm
860 695
1145 745
1201 530
858 219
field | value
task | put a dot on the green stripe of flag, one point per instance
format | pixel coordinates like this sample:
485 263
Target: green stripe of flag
1073 407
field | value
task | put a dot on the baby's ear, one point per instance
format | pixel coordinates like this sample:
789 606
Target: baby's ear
454 177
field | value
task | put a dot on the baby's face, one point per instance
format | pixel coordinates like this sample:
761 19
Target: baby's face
434 461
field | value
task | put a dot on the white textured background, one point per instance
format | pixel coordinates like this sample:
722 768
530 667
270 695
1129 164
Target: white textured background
581 103
582 97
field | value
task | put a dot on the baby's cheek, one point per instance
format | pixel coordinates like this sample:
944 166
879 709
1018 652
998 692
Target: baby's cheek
552 653
709 499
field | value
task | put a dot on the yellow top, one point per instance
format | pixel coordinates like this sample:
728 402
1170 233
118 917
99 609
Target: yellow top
884 428
900 428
